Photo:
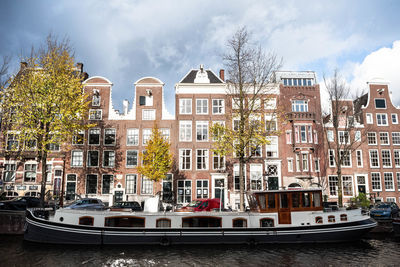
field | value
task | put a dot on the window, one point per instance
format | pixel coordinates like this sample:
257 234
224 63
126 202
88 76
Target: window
131 183
239 223
147 186
344 137
330 135
310 133
202 221
126 221
317 165
357 136
386 158
95 114
300 106
267 222
374 158
270 123
91 184
396 153
304 161
333 185
93 158
369 118
255 176
109 137
185 156
376 181
319 220
184 191
94 136
371 137
131 158
331 158
395 119
236 123
165 132
148 114
218 162
31 145
9 172
271 149
315 137
389 183
202 159
218 106
347 185
303 134
270 103
76 158
132 137
396 138
236 103
12 142
146 135
359 158
381 119
86 220
288 137
96 100
78 138
391 199
202 131
201 106
236 177
201 189
185 106
255 150
398 180
109 158
380 103
343 217
346 158
185 131
107 181
384 138
331 218
163 223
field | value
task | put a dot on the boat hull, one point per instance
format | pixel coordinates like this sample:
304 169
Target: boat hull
396 227
44 231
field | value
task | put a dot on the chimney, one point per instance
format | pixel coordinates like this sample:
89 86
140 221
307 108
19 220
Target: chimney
125 105
79 66
23 65
222 74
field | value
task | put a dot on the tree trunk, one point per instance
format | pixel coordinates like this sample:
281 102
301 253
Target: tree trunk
44 178
241 184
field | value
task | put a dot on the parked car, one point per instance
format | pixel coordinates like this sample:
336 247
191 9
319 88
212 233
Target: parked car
132 205
20 203
384 210
87 203
201 205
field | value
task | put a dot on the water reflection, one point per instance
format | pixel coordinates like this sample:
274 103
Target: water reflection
371 252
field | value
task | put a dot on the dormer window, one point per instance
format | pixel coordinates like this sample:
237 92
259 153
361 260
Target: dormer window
380 103
300 106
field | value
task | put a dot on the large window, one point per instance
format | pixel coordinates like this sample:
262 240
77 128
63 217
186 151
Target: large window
185 106
376 181
146 135
148 114
300 106
202 131
371 137
107 181
201 189
271 149
396 158
95 114
256 176
109 158
94 136
359 158
381 119
76 158
201 222
185 156
304 161
396 138
347 185
346 158
236 177
331 158
132 137
344 137
333 185
147 186
384 138
91 184
218 162
218 106
386 158
12 142
93 158
185 131
131 158
131 183
109 137
374 158
9 172
202 159
389 182
380 103
184 191
78 138
201 106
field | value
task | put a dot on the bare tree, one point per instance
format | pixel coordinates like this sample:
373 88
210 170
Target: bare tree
343 129
4 79
249 70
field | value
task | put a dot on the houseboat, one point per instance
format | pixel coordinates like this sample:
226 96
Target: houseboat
284 216
396 226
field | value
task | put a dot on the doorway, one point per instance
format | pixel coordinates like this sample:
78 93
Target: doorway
284 215
118 195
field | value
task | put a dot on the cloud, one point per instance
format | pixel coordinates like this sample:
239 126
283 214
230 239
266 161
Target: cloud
383 63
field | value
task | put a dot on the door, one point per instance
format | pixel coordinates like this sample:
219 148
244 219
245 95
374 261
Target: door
118 195
284 215
273 183
167 189
219 190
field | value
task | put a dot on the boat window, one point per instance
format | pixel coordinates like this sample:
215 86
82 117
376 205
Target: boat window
316 199
283 200
239 222
343 217
319 220
127 221
163 223
271 201
201 222
266 222
331 218
87 220
261 199
306 200
295 200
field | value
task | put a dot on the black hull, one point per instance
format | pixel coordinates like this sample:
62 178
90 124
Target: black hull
396 227
39 230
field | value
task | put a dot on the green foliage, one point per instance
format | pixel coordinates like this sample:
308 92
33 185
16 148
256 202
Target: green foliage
361 200
157 159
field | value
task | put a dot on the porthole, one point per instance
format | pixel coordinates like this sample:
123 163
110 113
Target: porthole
61 219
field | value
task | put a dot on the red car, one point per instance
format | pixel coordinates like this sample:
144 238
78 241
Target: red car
201 205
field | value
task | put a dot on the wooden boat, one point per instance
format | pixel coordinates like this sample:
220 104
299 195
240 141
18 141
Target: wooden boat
289 216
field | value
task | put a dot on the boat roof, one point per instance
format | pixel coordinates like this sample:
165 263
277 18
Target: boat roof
289 190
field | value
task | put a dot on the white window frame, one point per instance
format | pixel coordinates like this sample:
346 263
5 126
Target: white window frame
73 163
137 158
387 152
359 158
202 126
200 105
146 135
94 114
369 118
376 183
290 164
370 158
396 118
98 159
148 114
111 163
381 134
185 106
134 134
218 106
99 133
370 136
331 154
105 135
128 188
386 181
256 174
204 159
396 136
380 117
181 156
185 131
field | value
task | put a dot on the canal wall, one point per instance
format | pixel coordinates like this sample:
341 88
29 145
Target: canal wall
12 222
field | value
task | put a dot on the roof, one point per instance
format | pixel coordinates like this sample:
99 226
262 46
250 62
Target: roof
191 76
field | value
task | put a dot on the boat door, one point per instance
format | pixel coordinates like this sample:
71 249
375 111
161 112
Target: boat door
284 215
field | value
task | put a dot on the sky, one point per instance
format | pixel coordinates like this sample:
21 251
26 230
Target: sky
126 40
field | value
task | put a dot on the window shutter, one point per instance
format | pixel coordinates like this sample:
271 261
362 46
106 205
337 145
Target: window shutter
142 100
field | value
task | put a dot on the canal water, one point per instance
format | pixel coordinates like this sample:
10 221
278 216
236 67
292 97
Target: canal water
373 251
